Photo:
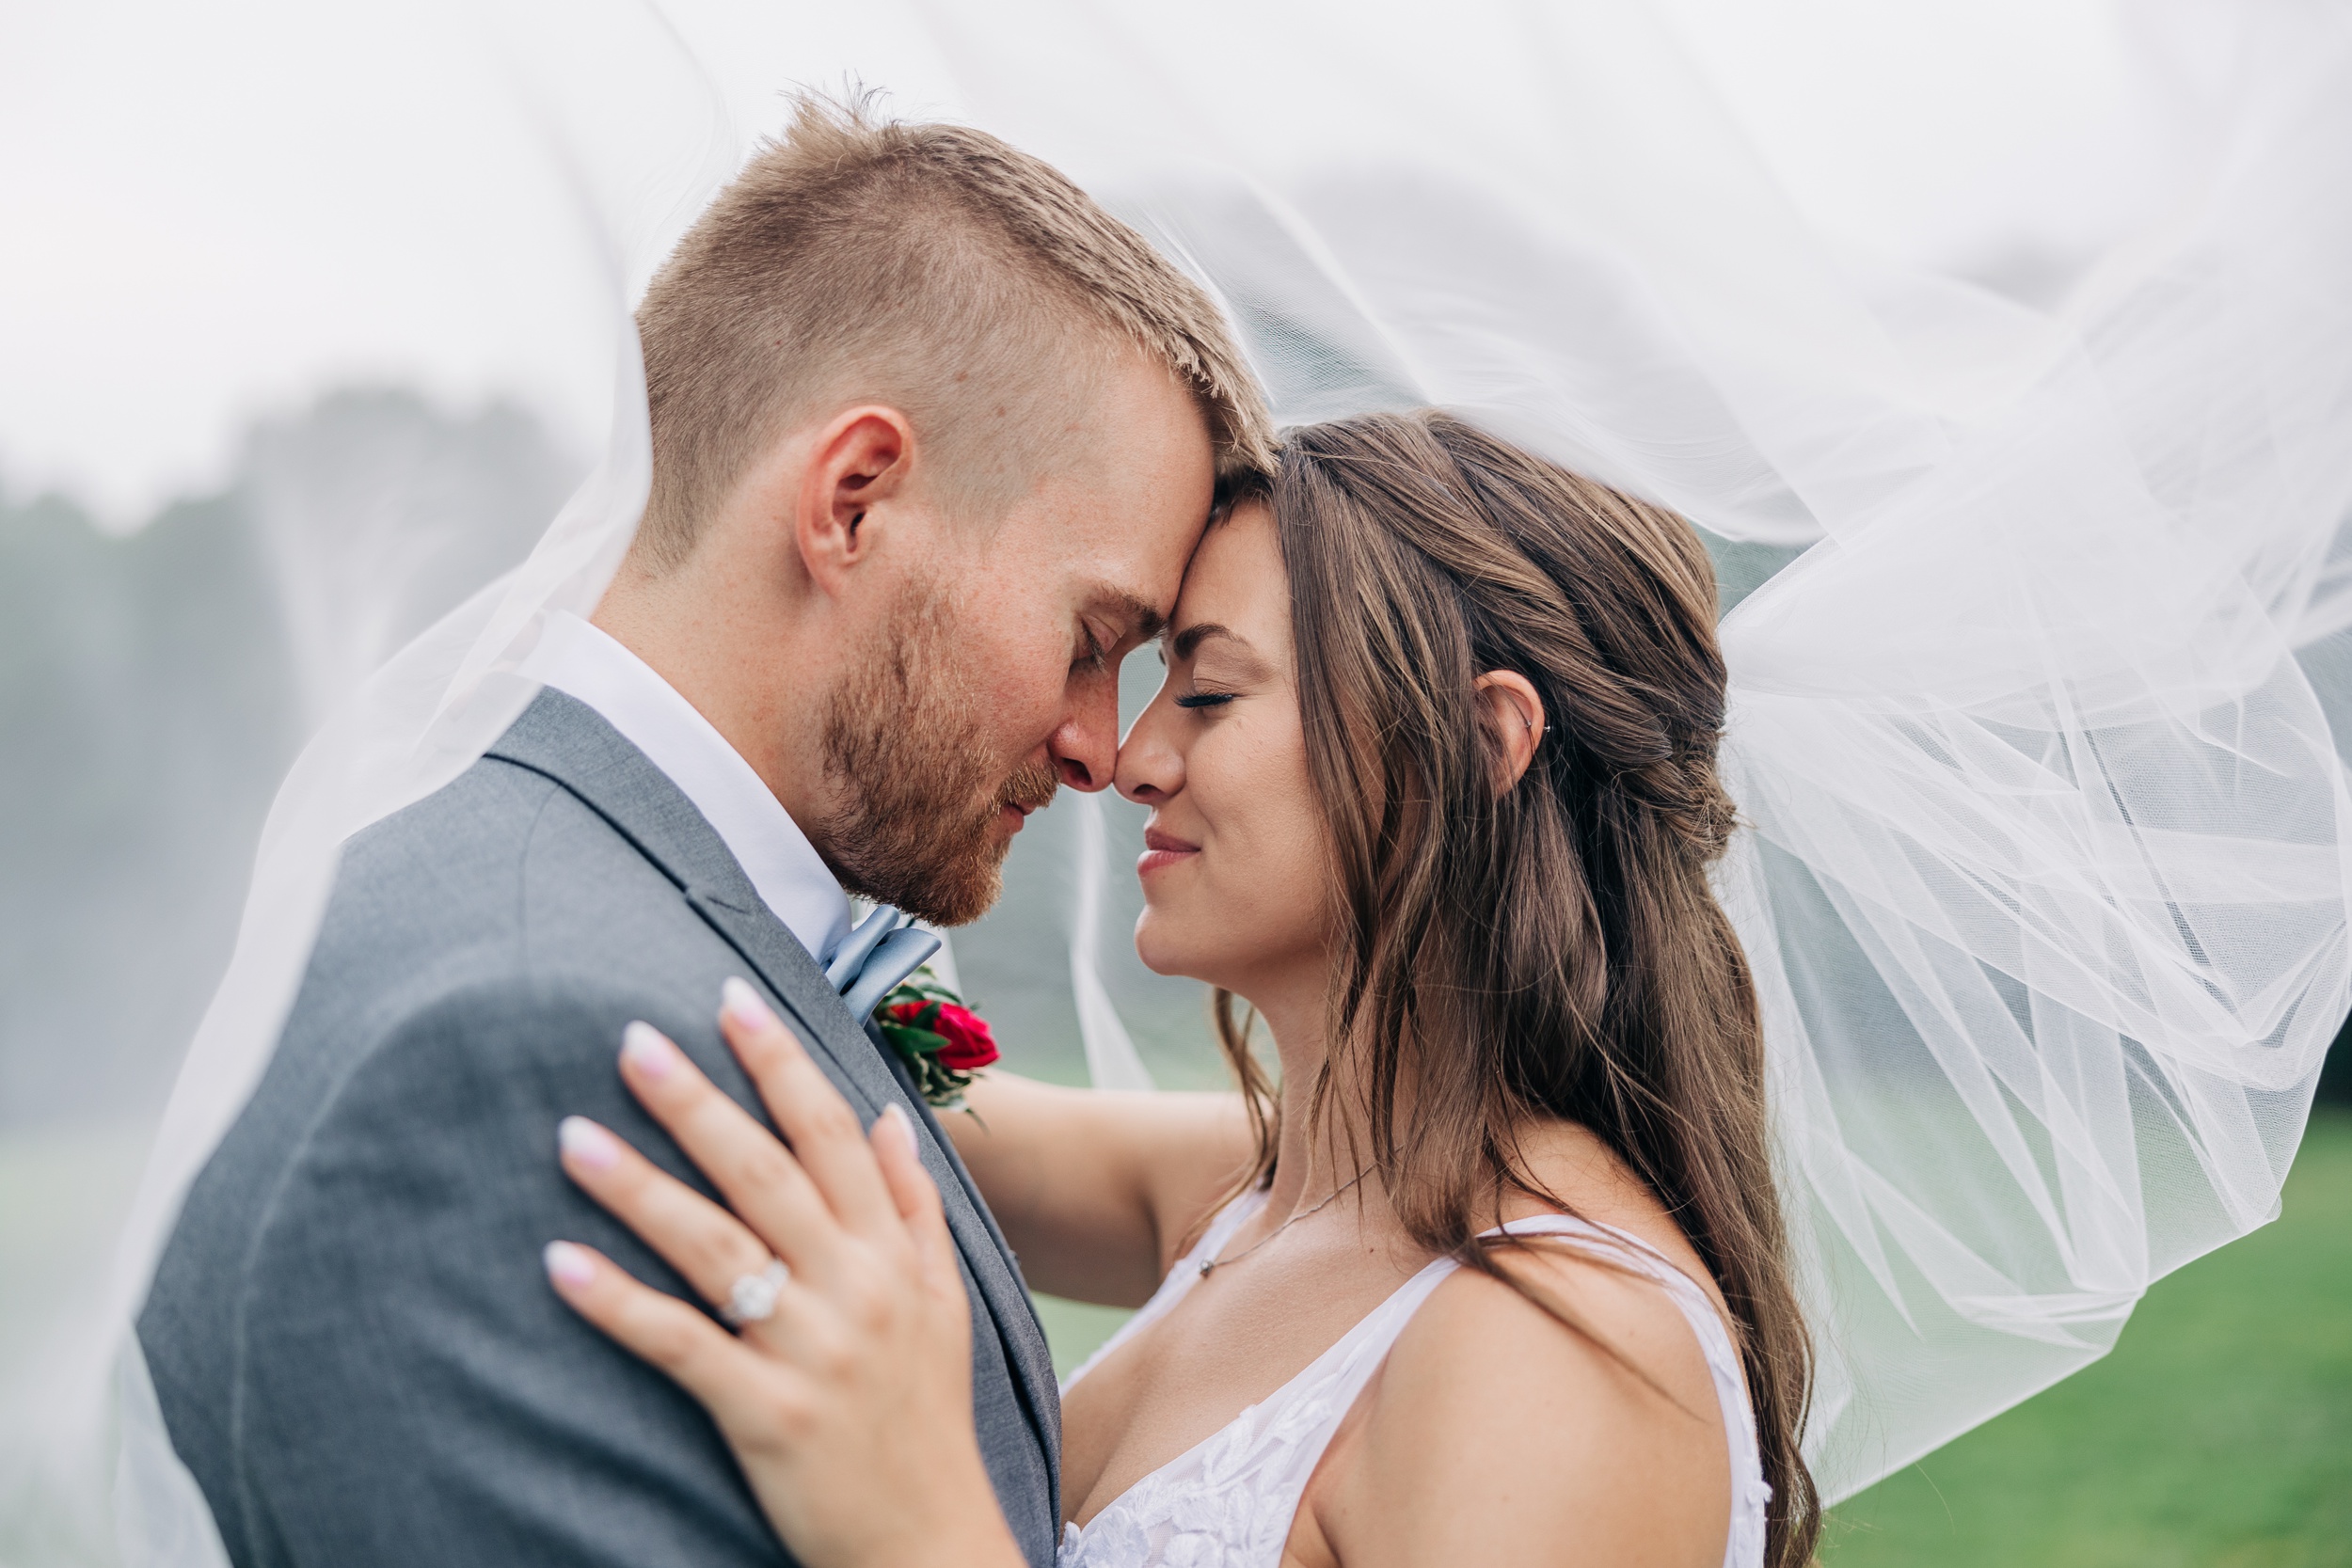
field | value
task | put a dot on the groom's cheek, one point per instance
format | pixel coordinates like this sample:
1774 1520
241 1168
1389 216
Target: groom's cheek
1021 685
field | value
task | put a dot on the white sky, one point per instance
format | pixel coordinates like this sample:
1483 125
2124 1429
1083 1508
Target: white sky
210 211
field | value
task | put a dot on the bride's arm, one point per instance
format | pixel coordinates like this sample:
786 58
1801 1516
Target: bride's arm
1097 1189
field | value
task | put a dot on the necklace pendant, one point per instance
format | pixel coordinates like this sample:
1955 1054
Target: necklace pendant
1206 1264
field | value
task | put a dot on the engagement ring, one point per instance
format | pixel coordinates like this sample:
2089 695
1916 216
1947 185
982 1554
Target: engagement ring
752 1299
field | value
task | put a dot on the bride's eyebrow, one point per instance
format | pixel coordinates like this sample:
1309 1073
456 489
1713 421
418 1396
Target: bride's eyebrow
1186 642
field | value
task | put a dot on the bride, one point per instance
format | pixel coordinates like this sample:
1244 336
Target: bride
1497 1272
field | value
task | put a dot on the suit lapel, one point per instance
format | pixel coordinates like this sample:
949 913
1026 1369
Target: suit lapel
569 743
770 948
779 960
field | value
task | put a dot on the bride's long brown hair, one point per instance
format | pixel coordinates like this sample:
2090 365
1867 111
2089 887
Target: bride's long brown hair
1549 949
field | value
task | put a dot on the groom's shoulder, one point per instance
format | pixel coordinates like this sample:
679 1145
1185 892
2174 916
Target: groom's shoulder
496 935
478 955
500 898
471 836
502 867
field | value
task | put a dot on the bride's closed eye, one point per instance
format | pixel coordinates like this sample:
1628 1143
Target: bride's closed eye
1204 699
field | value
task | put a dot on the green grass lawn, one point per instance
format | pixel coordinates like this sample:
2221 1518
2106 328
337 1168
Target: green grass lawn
2218 1435
1073 1328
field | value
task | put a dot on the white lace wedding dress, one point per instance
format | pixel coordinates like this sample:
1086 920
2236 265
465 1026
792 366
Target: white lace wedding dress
1228 1501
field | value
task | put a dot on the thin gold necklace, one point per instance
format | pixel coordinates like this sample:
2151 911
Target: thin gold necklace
1208 1263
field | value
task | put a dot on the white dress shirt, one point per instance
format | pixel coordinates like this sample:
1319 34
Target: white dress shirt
583 662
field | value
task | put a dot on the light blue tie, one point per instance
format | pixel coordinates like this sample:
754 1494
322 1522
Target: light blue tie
883 949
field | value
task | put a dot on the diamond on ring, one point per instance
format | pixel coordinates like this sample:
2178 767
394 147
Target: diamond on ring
752 1299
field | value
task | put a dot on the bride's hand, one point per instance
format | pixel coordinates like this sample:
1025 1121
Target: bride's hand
849 1406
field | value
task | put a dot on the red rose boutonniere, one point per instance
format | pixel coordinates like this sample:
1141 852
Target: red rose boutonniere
942 1042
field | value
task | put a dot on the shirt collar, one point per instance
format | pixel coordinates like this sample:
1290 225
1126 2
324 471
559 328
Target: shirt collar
583 661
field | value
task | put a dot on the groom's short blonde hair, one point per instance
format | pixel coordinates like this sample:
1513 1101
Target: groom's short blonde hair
931 268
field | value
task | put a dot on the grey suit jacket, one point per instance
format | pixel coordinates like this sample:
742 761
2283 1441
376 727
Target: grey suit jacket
354 1348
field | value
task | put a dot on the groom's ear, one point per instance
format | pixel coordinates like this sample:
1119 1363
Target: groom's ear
858 469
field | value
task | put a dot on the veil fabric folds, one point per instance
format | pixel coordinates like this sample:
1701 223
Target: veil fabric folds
2044 863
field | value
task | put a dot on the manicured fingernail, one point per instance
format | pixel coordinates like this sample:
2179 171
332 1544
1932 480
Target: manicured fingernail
568 1265
649 1050
737 1001
897 1117
585 1141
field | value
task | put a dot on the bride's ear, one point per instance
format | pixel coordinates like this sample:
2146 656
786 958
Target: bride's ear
1514 714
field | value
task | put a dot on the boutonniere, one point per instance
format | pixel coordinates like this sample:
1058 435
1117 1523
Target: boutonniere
943 1041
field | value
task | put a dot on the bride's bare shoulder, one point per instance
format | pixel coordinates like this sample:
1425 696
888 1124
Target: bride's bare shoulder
1588 1179
1497 1433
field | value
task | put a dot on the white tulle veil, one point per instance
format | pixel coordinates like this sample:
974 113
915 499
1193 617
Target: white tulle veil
2043 866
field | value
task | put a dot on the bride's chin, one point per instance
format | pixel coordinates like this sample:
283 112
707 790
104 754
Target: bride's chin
1165 952
1158 961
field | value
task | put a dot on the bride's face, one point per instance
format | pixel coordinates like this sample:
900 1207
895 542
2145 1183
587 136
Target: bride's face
1234 866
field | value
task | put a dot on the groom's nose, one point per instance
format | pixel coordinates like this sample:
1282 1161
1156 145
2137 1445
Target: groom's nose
1085 747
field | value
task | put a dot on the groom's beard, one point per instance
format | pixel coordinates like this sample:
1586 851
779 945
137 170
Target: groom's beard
904 749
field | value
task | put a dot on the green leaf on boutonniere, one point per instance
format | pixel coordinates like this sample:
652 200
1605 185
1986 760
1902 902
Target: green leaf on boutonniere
942 1041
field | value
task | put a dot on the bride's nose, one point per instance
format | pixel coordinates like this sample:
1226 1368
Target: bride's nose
1151 769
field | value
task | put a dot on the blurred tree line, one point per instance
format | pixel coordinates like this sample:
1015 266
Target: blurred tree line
156 685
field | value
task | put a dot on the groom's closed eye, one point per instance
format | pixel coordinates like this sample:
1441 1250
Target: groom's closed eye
1113 622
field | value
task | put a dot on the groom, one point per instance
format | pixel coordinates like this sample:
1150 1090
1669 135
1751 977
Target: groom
933 437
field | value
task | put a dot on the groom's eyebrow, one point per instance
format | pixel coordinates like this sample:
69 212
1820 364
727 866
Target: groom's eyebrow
1141 617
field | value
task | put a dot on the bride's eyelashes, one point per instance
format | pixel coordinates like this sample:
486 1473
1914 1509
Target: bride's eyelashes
1206 698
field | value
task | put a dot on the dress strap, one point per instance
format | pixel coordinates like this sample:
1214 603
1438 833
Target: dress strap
1750 1491
1180 1279
1575 1228
1327 1390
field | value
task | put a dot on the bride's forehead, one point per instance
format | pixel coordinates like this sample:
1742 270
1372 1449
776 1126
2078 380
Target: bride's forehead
1238 551
1236 578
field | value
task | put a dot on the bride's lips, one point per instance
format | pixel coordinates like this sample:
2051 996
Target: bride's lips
1162 850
